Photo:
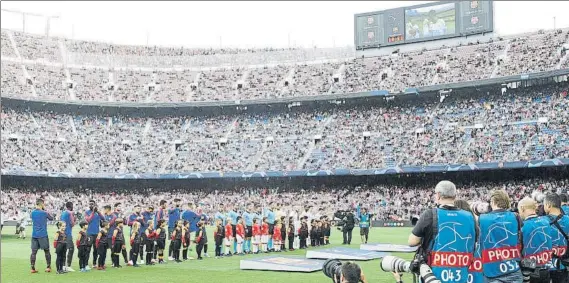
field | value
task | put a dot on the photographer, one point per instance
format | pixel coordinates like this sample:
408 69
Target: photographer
536 243
348 272
364 225
475 274
446 234
349 223
560 239
352 273
499 239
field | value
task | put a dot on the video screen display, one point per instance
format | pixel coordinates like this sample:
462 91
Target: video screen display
431 21
425 22
370 30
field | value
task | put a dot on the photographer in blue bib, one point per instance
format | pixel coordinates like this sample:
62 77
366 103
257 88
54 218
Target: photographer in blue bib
446 236
559 238
348 272
536 243
500 238
364 218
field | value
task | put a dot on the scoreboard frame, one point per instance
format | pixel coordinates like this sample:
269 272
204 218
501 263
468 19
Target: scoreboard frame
391 28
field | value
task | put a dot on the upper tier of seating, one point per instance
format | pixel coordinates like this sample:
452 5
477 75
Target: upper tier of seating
45 67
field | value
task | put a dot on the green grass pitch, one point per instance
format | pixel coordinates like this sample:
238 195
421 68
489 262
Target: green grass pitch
15 264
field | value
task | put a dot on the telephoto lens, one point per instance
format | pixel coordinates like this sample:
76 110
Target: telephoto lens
427 275
332 268
479 207
395 264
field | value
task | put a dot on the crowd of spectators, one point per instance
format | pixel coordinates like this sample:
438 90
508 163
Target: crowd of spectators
537 52
124 73
6 49
386 202
521 124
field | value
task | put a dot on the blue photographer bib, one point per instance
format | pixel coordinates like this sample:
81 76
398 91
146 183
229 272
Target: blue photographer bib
536 240
499 241
364 220
453 247
558 242
475 274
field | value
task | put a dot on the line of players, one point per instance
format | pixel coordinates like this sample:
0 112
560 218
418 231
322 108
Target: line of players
99 231
148 235
254 232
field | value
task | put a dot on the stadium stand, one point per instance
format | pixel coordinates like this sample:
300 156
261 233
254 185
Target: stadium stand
437 133
187 74
518 125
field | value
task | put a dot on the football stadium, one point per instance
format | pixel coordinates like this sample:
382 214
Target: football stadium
430 147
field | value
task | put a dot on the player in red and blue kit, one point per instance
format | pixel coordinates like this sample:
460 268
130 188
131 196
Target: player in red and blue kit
111 217
117 213
173 216
160 214
69 218
93 218
192 218
136 216
107 214
147 215
39 234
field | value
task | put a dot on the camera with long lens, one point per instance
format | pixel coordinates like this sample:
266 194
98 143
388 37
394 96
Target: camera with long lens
479 207
530 270
332 268
341 215
417 266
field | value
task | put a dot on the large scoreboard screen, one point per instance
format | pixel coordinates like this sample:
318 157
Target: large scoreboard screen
371 29
424 22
